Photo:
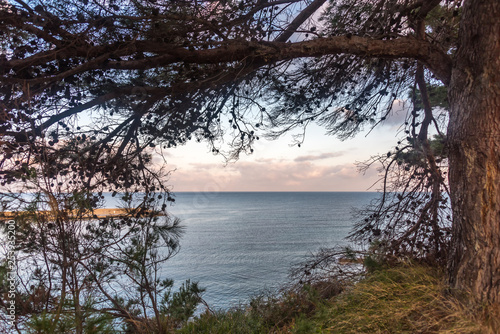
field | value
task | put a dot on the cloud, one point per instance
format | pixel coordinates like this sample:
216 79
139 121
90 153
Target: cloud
398 113
321 156
271 176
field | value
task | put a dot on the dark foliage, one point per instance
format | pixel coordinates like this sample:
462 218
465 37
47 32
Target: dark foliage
96 87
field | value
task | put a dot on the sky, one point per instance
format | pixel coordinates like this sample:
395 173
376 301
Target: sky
321 163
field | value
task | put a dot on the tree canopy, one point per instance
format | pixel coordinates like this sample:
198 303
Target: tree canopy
103 83
163 72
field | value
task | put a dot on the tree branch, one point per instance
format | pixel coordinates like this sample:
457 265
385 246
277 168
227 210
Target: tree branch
75 110
299 19
262 52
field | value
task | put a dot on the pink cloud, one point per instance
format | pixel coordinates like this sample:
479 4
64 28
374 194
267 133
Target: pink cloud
271 176
321 156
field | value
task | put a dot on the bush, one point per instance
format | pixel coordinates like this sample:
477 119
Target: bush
401 299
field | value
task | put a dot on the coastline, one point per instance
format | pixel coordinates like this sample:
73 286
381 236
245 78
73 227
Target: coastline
97 213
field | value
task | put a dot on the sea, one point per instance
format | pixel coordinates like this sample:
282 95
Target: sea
240 244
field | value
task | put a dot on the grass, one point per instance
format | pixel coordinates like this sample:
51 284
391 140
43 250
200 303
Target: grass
411 299
403 299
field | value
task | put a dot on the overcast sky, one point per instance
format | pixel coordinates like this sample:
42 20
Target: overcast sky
322 163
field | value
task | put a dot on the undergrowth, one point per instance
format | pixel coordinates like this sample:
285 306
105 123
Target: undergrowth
401 299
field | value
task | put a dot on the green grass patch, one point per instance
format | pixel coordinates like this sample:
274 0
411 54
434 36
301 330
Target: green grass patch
403 299
406 299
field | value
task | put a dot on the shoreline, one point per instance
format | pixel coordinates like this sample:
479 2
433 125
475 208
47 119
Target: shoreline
97 213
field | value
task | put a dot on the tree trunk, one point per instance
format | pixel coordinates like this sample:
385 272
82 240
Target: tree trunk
474 138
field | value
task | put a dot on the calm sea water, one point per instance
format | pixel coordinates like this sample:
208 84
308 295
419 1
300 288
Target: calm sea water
238 244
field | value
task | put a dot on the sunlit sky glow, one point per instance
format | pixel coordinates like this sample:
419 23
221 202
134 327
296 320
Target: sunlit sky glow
322 163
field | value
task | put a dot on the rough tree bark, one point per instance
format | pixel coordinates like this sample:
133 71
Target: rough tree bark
474 138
